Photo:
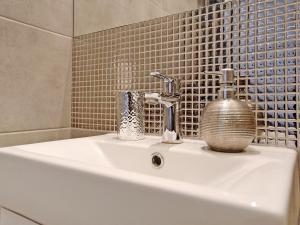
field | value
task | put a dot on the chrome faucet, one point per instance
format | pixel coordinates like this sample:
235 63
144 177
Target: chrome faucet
170 99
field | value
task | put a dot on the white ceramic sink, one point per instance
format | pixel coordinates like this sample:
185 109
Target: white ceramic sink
105 181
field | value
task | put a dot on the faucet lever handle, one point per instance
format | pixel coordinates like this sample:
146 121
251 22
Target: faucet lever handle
161 76
170 84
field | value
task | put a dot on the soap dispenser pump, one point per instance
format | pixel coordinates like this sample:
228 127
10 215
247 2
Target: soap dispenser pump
227 124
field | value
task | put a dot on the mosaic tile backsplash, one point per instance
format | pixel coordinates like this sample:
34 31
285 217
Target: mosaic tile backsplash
260 39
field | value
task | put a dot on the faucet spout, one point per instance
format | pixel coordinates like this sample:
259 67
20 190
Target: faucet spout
152 98
156 98
169 98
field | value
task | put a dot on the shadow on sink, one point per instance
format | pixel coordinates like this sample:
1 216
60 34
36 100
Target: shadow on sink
248 151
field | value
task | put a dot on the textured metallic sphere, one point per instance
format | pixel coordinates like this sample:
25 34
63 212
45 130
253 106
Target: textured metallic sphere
228 125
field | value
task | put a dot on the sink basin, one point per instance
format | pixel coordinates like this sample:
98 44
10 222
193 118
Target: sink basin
102 180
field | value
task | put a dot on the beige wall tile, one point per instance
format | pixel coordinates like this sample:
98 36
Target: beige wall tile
35 77
53 15
96 15
36 136
78 132
175 6
29 137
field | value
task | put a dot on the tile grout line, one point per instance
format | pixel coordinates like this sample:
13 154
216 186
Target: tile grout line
32 131
73 21
34 27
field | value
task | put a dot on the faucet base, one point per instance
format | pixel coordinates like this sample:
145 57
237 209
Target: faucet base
171 137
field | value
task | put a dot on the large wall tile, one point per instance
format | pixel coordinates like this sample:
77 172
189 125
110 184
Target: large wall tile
175 6
29 137
78 133
95 15
53 15
35 77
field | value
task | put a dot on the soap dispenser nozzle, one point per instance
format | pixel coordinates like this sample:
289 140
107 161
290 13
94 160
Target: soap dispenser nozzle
226 81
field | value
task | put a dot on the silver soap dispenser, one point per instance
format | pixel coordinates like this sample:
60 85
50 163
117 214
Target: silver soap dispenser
227 124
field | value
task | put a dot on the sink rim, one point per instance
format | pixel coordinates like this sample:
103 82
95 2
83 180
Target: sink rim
174 186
